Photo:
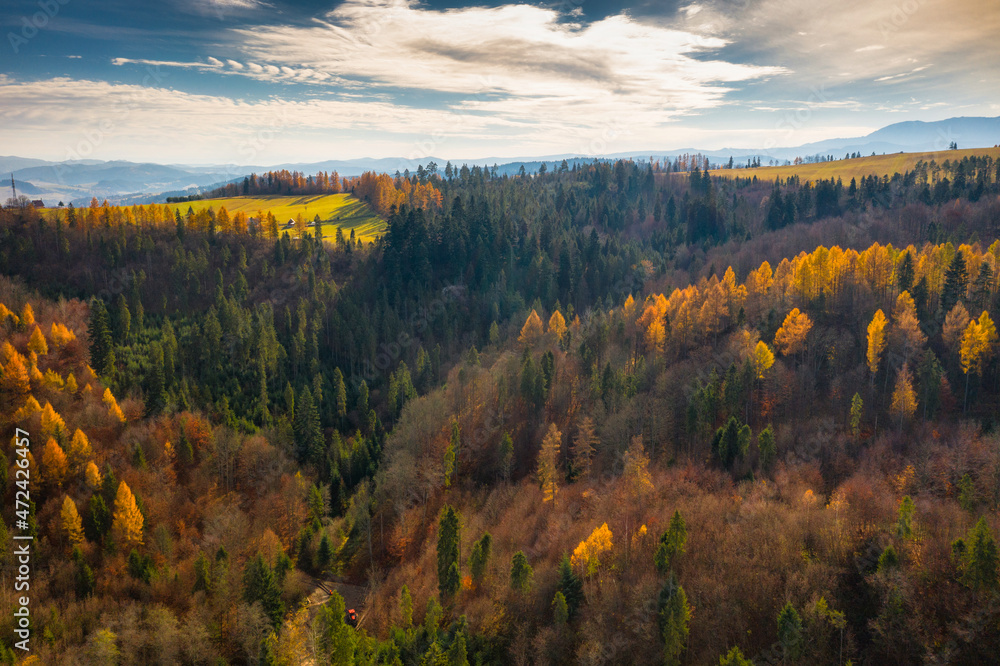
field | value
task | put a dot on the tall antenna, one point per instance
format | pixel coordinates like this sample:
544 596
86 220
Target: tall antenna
13 188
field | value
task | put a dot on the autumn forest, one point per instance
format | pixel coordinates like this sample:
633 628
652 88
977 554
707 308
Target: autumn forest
613 412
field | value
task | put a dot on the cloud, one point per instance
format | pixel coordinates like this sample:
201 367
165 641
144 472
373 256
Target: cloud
83 118
518 62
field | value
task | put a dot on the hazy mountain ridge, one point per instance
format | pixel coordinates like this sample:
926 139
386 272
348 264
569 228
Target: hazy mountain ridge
130 182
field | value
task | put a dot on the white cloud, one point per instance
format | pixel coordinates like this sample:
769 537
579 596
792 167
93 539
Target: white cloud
516 62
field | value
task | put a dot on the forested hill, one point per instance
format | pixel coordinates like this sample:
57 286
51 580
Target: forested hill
751 416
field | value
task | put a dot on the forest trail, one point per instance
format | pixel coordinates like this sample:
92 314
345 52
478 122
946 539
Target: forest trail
355 596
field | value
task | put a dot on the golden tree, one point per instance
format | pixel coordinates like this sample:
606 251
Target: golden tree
127 519
54 461
906 336
92 475
557 324
791 337
876 342
27 319
61 335
532 329
113 409
548 458
15 377
588 553
977 344
763 359
79 451
37 342
904 398
71 523
52 424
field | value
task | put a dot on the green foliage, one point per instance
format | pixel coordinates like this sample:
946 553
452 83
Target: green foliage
790 632
458 652
449 539
202 573
904 521
767 448
406 607
968 497
980 558
479 558
731 442
734 658
521 573
336 638
672 543
140 567
570 586
450 454
259 585
102 355
560 611
857 411
889 559
674 615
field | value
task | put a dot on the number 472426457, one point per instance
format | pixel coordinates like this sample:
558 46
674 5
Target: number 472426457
22 474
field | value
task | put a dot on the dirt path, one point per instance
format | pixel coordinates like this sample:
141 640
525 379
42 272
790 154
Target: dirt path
355 596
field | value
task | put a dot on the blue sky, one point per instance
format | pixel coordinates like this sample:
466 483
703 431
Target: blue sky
254 82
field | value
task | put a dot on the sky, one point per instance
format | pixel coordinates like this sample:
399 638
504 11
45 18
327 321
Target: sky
260 82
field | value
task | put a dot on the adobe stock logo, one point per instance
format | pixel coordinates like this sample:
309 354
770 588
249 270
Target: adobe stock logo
30 26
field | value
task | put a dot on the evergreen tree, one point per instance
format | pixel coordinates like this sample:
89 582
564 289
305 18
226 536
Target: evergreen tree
339 393
674 615
259 585
480 557
121 320
980 558
155 393
521 573
790 632
956 282
672 543
102 355
570 586
449 539
308 431
767 448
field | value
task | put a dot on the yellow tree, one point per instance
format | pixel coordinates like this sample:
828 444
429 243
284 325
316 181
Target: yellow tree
791 337
79 451
113 409
977 347
904 398
548 458
54 461
27 319
127 519
557 324
92 475
587 555
71 523
876 342
37 342
15 378
763 359
907 337
61 335
52 424
532 329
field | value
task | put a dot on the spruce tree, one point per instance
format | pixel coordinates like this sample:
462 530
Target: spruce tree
102 355
956 281
259 585
449 537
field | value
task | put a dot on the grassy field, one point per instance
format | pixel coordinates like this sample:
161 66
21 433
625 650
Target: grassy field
335 210
878 165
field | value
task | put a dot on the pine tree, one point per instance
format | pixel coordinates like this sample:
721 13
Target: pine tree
259 585
734 658
956 282
480 557
449 540
202 573
406 607
560 611
521 573
570 586
308 430
458 652
672 543
121 321
981 558
339 393
904 521
102 356
155 393
674 618
790 632
857 411
451 454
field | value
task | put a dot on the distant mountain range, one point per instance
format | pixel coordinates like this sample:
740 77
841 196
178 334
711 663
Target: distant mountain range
130 182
